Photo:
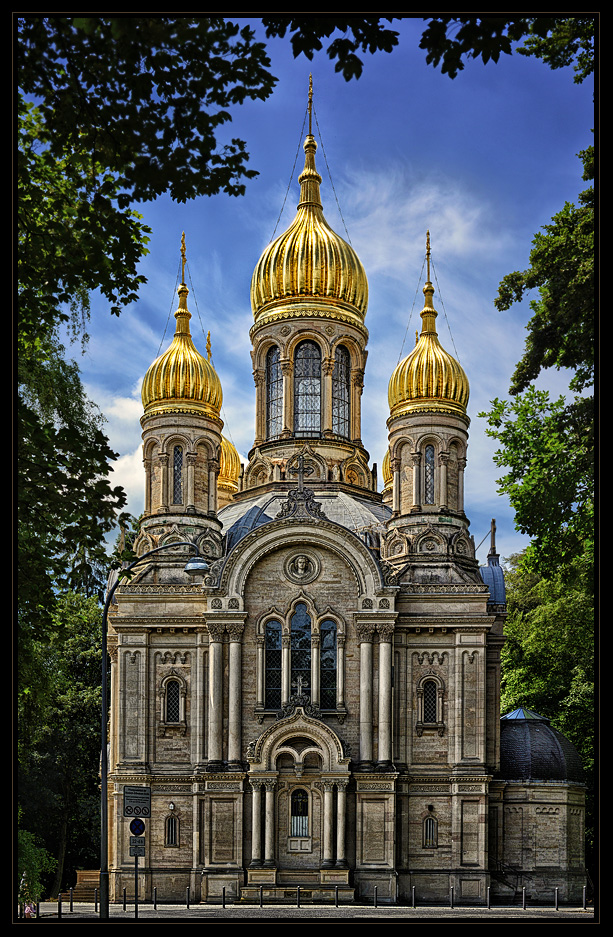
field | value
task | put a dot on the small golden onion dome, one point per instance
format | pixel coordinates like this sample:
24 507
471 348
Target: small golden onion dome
181 380
386 471
309 270
229 466
429 378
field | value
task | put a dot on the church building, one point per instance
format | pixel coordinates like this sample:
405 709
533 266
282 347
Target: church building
320 705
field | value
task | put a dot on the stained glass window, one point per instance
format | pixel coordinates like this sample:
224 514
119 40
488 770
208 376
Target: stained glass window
328 665
340 392
307 390
429 475
177 472
430 701
272 648
274 393
299 813
301 650
172 701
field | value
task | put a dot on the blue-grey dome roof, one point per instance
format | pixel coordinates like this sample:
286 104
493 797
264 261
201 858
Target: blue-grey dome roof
493 577
360 515
532 750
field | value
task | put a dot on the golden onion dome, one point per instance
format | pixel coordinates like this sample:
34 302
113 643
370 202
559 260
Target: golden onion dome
229 466
386 471
309 270
181 380
429 378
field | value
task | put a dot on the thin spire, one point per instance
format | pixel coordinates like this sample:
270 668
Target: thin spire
428 254
183 257
310 105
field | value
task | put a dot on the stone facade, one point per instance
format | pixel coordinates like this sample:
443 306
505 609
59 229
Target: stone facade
321 706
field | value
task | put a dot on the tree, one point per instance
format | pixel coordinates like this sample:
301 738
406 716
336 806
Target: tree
58 783
558 41
548 656
548 447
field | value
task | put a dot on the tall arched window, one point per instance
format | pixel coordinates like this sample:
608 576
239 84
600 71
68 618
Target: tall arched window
429 476
430 708
340 392
172 830
328 665
272 648
307 389
299 806
177 475
300 680
430 832
173 701
274 393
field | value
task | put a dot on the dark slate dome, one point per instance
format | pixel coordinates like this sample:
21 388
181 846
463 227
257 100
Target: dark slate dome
532 750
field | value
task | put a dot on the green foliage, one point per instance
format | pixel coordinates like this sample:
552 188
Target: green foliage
59 763
367 35
33 864
561 331
547 448
558 41
548 656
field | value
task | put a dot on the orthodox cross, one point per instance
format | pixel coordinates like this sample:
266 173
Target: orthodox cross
298 683
301 471
310 105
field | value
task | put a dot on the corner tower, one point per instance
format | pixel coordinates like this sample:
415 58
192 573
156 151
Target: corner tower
428 437
182 443
309 296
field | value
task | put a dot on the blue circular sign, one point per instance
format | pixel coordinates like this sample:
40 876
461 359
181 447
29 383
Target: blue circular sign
137 827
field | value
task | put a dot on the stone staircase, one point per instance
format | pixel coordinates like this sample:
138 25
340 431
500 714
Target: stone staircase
85 889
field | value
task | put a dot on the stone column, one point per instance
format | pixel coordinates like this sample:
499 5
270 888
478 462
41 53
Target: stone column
328 859
443 459
190 459
396 466
235 630
386 633
163 482
215 746
416 459
212 493
327 370
256 823
355 404
461 467
315 669
259 376
147 465
286 663
341 805
269 832
260 664
287 370
365 636
340 670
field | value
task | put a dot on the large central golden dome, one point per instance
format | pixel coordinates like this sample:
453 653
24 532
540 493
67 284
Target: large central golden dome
429 378
309 270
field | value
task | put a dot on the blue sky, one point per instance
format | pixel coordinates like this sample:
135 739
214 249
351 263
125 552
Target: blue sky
483 162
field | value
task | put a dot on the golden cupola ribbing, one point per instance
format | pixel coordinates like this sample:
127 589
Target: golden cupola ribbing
310 270
182 380
429 378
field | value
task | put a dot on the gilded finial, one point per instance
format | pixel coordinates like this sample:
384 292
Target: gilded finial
183 257
208 345
310 107
428 252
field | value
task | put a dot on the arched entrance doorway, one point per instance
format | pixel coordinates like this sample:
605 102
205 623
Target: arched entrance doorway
299 773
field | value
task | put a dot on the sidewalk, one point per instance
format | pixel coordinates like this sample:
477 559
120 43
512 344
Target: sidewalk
237 912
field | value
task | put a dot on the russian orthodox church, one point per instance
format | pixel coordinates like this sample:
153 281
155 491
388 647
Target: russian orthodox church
320 707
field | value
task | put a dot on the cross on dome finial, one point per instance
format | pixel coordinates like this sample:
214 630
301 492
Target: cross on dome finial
183 257
310 105
428 253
